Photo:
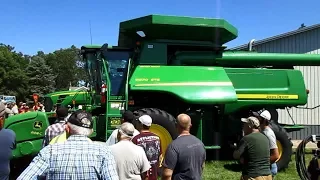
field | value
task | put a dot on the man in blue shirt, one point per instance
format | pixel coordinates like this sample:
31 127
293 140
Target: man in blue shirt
7 144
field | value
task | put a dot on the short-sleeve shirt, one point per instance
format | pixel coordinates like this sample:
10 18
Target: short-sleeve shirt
7 144
254 149
76 158
185 156
131 160
150 142
271 136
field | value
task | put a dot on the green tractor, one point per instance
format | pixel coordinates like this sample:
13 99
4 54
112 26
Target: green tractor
72 98
167 65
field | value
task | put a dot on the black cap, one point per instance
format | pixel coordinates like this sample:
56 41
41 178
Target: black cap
62 112
82 119
128 116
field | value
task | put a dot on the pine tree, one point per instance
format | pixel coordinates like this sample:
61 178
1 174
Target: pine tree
41 76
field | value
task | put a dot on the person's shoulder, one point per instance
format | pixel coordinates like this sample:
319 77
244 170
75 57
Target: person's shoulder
136 132
101 146
51 127
139 148
269 130
9 131
154 134
136 137
114 132
259 136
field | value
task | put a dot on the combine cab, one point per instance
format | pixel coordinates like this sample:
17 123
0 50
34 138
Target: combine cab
167 65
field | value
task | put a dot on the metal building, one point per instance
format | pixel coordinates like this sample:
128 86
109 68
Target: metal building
303 40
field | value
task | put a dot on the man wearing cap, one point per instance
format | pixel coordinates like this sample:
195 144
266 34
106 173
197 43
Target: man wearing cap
127 116
150 142
76 158
7 144
132 162
253 152
58 128
264 117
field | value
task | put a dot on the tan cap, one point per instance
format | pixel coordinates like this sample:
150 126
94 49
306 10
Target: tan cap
127 129
252 121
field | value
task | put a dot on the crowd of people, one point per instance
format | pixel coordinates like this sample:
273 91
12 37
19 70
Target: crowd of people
133 152
12 108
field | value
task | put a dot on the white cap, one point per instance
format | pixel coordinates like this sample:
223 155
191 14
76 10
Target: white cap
264 114
145 120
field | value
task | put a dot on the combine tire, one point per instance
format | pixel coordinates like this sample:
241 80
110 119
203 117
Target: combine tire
163 125
284 146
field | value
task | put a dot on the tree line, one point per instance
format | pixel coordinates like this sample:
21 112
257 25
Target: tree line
21 75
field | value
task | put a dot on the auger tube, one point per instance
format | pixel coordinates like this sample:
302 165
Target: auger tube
234 58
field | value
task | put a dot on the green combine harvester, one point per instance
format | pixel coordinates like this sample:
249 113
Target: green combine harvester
167 65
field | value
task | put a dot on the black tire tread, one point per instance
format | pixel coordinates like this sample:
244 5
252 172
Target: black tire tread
155 111
287 153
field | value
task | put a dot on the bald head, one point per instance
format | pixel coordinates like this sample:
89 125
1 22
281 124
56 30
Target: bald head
184 121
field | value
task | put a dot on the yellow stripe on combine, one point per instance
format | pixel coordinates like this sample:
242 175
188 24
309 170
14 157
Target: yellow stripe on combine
268 96
70 93
188 84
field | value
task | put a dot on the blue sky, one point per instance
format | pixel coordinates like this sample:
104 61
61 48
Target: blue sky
36 25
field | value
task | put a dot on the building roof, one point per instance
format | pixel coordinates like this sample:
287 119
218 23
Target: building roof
280 36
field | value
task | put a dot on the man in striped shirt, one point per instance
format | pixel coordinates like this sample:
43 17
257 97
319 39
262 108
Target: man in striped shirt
57 128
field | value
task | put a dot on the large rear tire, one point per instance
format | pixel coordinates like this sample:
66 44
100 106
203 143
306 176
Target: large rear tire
284 146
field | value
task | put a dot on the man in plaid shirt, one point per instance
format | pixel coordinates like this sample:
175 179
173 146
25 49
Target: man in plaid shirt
76 158
57 128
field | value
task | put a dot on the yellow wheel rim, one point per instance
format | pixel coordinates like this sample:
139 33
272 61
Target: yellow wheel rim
165 138
280 150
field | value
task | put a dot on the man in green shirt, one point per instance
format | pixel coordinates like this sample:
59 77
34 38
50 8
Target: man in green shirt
253 152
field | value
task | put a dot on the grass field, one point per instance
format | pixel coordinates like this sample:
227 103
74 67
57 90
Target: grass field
221 170
230 170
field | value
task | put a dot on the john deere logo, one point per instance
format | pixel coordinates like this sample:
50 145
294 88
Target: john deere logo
37 125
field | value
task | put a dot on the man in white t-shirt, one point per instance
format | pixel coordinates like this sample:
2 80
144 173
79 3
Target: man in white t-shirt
127 116
264 118
132 162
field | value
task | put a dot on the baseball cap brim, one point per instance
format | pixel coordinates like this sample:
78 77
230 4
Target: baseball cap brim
256 114
245 120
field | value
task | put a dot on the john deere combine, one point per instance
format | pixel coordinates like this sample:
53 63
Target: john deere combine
166 65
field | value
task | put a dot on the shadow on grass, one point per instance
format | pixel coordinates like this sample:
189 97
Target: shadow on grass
235 167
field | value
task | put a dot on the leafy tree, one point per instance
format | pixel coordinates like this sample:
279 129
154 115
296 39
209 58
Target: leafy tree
13 79
65 64
41 77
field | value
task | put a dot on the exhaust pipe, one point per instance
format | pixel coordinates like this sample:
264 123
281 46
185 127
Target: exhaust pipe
250 44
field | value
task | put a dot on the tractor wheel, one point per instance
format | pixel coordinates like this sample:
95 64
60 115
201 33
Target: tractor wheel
163 125
284 146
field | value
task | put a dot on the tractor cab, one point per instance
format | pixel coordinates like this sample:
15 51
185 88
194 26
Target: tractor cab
107 68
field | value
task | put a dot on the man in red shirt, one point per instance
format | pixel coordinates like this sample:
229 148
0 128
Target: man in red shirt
150 142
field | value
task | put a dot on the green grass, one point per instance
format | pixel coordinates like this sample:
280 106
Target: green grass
217 170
